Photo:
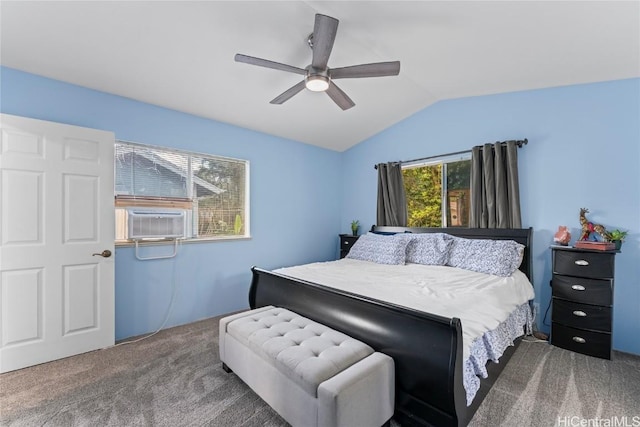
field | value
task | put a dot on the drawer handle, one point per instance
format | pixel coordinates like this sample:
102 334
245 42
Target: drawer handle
579 340
346 243
580 313
581 262
577 287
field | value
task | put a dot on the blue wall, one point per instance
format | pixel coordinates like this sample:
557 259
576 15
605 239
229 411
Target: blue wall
294 207
583 151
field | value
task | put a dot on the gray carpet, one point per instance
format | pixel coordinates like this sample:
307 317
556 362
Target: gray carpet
175 379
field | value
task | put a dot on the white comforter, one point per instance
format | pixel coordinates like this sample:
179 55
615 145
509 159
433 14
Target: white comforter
480 301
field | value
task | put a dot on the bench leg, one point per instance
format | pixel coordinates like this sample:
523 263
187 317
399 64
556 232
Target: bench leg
226 368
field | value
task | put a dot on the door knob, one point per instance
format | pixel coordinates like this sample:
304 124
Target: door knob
105 254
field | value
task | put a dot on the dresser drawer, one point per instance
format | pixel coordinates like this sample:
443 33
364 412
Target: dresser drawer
584 316
597 344
584 264
579 289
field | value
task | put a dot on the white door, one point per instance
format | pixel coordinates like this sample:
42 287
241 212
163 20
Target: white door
56 212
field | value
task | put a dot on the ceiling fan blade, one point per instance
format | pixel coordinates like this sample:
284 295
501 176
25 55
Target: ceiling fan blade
324 34
378 69
287 94
268 64
339 97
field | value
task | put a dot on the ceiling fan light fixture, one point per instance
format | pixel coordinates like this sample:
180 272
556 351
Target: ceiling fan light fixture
317 83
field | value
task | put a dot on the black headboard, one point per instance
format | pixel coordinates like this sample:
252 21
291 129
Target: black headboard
520 235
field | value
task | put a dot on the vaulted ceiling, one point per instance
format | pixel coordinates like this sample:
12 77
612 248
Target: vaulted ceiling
180 54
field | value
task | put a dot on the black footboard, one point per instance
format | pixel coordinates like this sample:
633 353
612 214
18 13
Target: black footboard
427 349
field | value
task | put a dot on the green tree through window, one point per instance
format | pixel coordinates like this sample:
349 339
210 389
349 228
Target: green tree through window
436 202
423 187
222 213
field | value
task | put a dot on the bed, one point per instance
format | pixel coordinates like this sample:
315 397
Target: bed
430 350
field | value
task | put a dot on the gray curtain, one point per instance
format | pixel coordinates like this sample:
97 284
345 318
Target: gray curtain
495 192
392 201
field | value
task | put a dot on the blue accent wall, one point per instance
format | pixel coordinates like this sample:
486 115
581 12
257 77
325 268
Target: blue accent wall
294 208
583 151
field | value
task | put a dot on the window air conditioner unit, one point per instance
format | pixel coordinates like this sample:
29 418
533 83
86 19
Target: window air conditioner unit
155 223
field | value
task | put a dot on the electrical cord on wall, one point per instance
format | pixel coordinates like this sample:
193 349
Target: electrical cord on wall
538 336
169 309
535 335
544 321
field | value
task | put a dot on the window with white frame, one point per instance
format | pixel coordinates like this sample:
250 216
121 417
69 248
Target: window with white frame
438 191
211 192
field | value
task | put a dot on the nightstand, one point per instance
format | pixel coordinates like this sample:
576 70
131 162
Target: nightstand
346 241
582 298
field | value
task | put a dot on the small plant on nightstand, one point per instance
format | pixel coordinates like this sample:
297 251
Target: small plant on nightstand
617 236
355 224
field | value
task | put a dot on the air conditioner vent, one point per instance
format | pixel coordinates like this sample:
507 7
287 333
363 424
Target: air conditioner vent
156 223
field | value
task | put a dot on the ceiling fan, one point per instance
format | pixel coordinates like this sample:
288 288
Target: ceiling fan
318 77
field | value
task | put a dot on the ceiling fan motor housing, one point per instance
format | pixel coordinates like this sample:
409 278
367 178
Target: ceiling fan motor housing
317 80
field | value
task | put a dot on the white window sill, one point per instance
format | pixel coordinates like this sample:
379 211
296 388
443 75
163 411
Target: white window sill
126 243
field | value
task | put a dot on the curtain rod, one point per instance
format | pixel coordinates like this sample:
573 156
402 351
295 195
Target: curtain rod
519 143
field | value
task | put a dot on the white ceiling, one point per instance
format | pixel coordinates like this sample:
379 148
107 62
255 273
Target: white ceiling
179 54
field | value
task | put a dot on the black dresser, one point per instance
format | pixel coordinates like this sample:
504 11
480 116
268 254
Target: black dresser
582 298
346 241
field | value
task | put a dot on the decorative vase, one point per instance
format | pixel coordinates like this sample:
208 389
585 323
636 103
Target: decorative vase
618 244
354 232
562 236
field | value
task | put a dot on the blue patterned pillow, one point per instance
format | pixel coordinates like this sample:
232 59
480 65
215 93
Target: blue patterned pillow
429 248
380 248
497 257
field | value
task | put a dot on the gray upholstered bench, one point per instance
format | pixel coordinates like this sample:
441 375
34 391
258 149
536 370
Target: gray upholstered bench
310 374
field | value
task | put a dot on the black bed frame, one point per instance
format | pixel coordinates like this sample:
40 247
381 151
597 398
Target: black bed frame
426 348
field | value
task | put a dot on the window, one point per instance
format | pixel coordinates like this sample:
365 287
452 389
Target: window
211 191
438 192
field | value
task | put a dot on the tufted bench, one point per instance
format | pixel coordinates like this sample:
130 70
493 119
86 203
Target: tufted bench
310 374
